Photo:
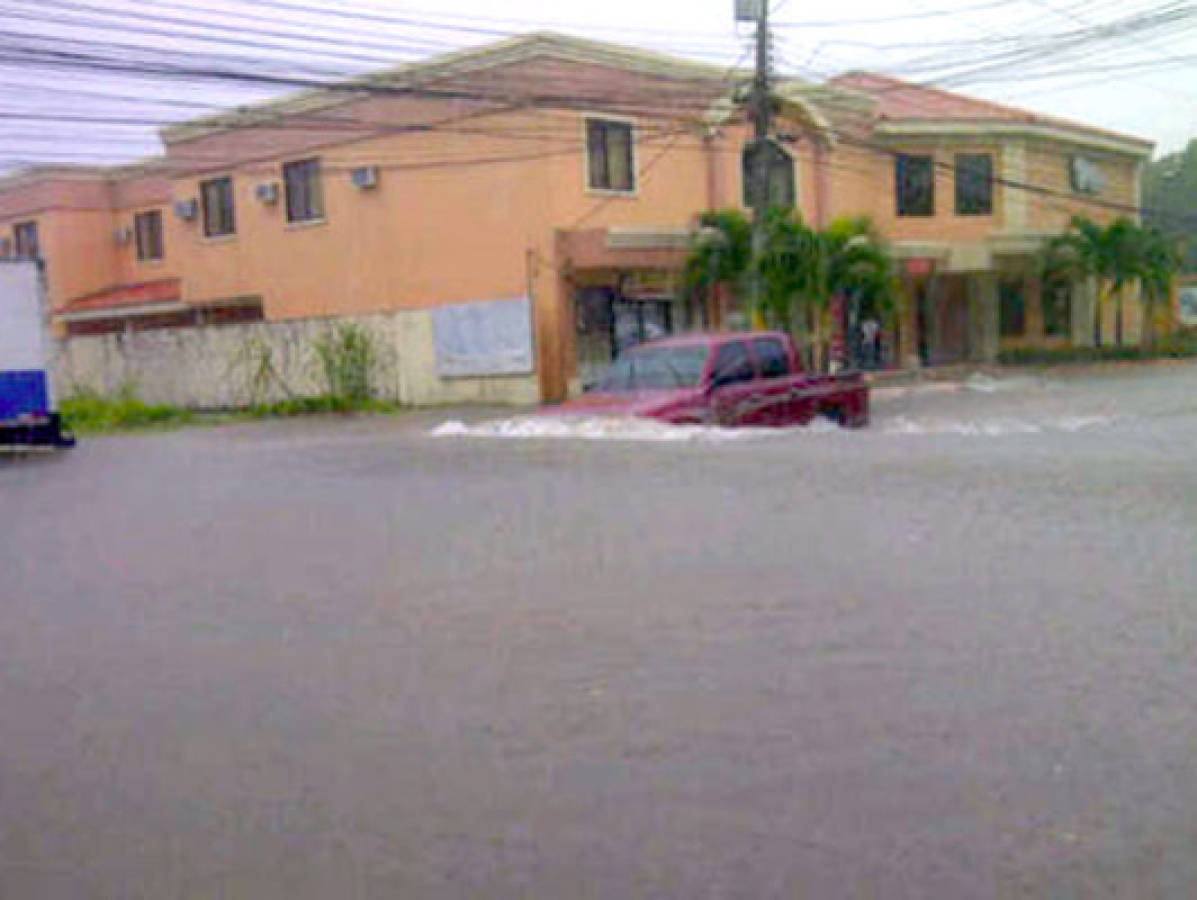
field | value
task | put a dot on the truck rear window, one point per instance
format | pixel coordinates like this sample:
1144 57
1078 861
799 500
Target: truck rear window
771 357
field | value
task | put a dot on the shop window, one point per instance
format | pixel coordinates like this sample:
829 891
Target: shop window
609 159
1012 309
216 198
974 184
305 192
914 178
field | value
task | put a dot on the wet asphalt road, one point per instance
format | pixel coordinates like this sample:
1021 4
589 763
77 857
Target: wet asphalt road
951 656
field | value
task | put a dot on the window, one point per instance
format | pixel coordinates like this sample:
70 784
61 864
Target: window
974 184
216 197
914 178
732 364
25 240
1012 309
771 357
147 226
305 194
655 368
779 168
1057 308
609 156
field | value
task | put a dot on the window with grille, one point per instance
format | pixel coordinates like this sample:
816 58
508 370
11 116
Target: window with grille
147 226
609 161
216 198
914 178
974 184
305 192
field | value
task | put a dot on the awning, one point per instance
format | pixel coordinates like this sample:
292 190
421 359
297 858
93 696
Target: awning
147 298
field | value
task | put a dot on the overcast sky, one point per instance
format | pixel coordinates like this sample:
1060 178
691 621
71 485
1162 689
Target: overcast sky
1128 66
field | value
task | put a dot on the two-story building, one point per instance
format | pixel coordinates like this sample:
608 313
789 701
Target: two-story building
570 173
974 191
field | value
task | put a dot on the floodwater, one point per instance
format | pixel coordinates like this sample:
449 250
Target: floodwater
951 655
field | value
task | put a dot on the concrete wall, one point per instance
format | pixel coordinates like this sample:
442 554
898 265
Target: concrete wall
221 367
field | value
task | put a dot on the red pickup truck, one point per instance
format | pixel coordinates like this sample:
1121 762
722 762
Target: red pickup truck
736 379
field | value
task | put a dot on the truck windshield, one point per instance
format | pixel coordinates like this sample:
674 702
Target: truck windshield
655 368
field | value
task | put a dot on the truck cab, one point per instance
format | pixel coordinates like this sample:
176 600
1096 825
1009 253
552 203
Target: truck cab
734 379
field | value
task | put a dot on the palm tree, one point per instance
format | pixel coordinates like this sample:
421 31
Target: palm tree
1160 259
720 254
1113 255
803 270
789 270
800 268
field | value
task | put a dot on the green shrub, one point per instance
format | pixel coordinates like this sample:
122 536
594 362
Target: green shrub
346 353
1173 346
303 406
87 410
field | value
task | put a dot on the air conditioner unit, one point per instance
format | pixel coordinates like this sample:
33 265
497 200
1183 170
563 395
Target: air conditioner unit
364 177
267 192
124 234
187 209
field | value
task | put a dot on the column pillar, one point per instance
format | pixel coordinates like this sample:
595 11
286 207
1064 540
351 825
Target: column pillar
983 299
1084 307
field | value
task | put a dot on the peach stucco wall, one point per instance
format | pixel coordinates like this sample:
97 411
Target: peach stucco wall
77 220
862 180
78 247
1047 166
455 216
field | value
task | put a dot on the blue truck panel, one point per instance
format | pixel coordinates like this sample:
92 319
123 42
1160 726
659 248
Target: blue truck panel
23 393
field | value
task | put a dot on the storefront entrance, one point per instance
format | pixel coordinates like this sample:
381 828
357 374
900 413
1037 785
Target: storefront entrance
608 322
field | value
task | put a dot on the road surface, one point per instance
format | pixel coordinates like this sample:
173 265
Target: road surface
953 655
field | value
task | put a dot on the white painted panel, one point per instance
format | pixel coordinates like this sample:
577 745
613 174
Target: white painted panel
22 326
491 337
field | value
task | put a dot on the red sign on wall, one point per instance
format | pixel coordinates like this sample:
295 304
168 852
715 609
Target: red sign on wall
918 267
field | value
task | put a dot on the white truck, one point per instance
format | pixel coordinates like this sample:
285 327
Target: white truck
27 413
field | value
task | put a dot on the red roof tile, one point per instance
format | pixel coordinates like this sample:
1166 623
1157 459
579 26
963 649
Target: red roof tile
164 290
897 99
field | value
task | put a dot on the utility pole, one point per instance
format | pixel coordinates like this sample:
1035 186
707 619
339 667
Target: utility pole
761 160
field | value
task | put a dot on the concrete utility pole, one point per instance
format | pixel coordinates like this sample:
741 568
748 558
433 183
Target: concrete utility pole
762 109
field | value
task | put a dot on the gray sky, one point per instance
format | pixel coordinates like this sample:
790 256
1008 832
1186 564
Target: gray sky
1128 66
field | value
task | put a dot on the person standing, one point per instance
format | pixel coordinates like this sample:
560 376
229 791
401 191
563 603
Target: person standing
870 332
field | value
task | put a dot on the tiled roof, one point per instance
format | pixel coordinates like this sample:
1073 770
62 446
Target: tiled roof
164 290
903 100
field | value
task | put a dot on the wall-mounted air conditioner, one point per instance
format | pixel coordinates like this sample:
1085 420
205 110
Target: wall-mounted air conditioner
364 177
267 192
123 234
187 209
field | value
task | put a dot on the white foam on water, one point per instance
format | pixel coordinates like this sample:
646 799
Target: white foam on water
614 428
994 427
987 384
